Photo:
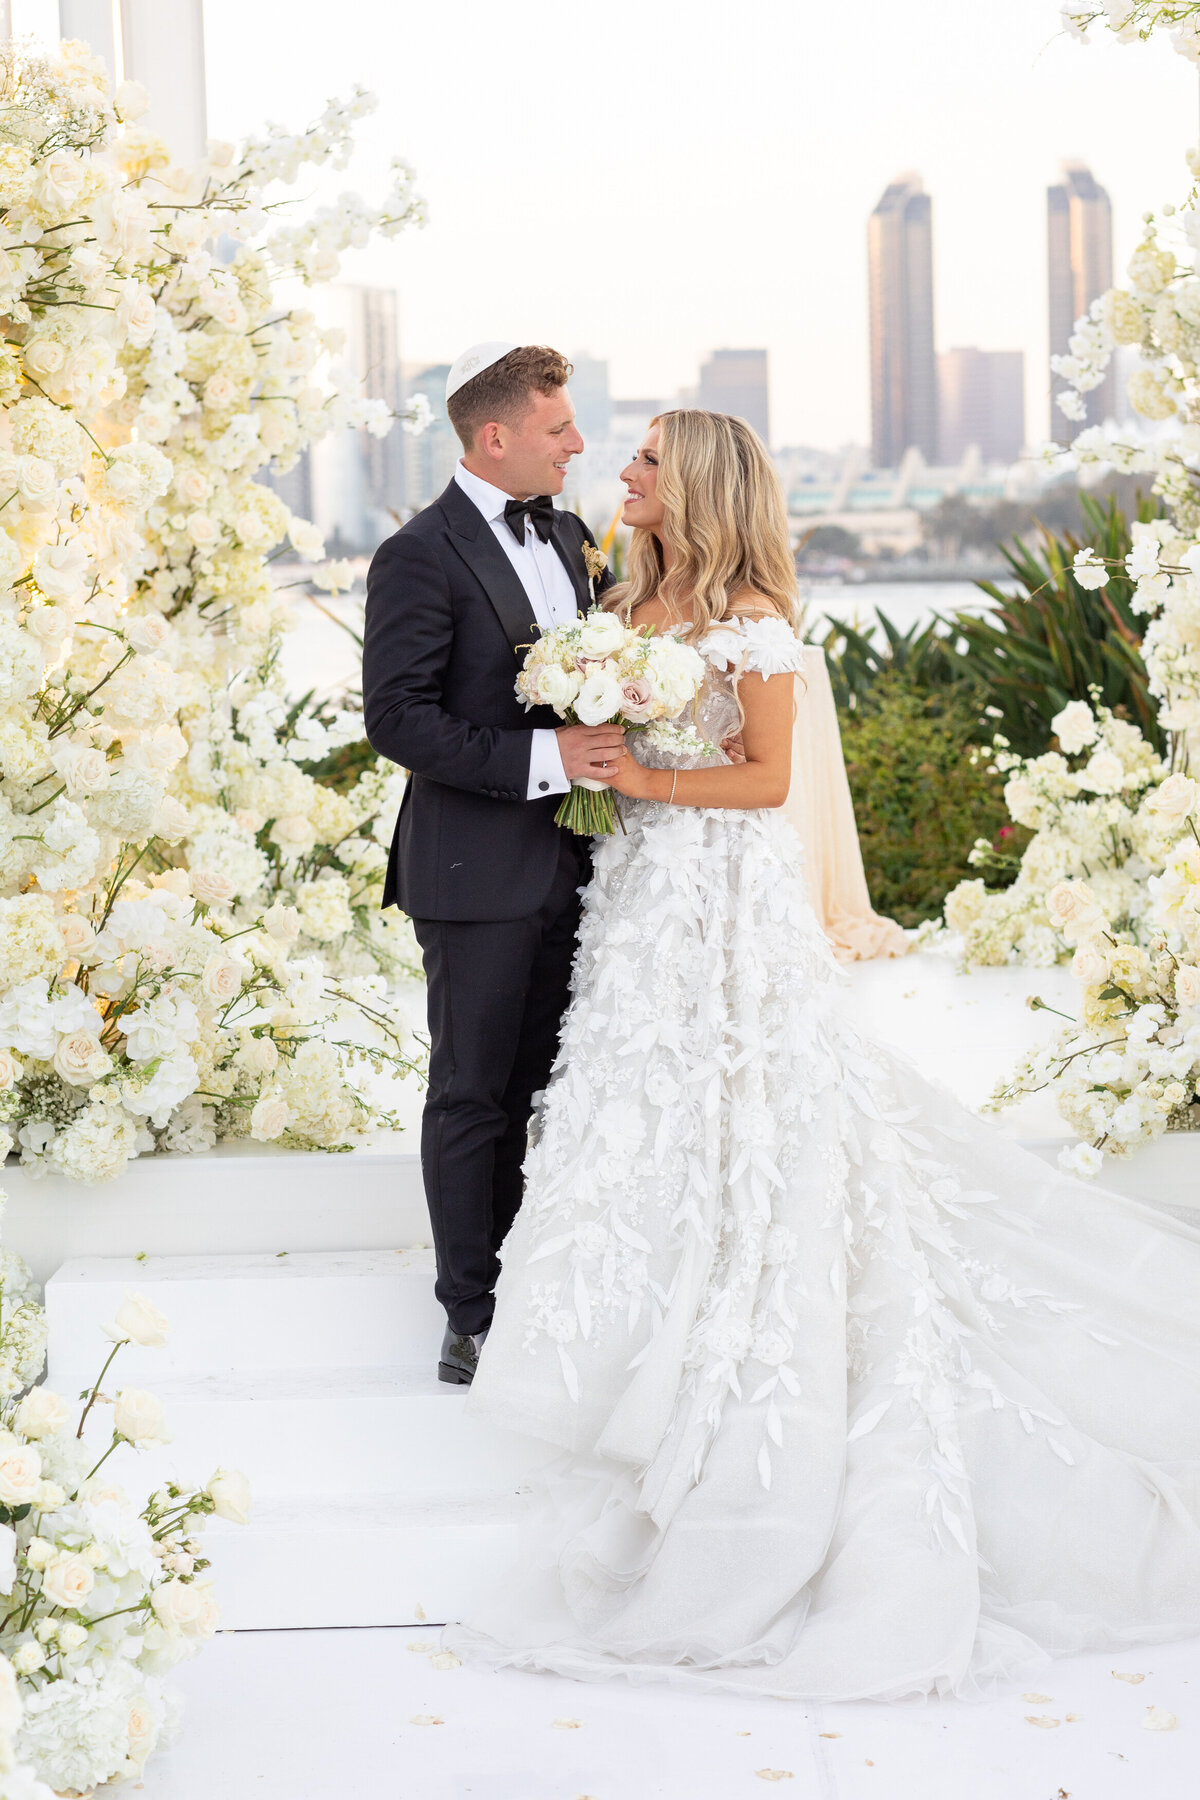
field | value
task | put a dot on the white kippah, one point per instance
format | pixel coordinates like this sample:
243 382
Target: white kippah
472 362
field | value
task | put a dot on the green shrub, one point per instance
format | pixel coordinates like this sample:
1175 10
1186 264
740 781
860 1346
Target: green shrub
922 792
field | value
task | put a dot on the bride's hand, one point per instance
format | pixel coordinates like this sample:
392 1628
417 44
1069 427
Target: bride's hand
632 780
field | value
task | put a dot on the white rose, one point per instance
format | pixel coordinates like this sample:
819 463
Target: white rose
193 486
41 1414
138 1416
36 484
203 530
1074 727
72 1636
222 979
1021 801
598 700
230 1494
258 1056
1104 773
306 540
1072 908
20 1472
61 176
602 635
179 1606
142 1731
149 633
43 357
68 1580
8 1576
1187 984
48 625
78 934
138 1321
63 571
28 1658
131 100
1175 798
269 1118
170 821
1090 965
81 1058
211 888
219 391
558 687
82 768
282 922
10 1069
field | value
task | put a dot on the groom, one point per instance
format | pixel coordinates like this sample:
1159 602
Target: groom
490 882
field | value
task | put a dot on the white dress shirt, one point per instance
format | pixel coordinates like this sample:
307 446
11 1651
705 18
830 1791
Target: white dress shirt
541 573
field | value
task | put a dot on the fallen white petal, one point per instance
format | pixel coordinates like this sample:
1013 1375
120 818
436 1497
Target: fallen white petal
1159 1719
1041 1719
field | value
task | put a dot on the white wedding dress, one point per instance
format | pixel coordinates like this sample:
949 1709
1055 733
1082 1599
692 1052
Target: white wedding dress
858 1398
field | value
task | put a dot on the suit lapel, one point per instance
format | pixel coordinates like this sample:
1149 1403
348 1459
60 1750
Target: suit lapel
571 557
476 543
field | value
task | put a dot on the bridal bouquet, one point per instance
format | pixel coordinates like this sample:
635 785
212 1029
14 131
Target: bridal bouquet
598 671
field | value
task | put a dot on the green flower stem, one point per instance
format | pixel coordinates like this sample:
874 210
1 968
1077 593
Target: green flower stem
589 814
95 1393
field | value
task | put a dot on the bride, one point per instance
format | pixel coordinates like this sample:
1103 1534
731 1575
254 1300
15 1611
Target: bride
858 1398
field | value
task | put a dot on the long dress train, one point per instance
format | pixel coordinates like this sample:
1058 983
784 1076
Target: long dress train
857 1397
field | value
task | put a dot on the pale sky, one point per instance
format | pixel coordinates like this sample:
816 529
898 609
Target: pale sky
651 179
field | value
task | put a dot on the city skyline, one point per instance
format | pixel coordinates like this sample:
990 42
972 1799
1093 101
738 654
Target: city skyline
1079 268
904 389
695 187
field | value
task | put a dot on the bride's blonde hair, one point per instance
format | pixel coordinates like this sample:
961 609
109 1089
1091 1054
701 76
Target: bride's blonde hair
724 517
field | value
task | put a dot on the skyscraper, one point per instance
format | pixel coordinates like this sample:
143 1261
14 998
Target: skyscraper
735 381
904 397
1079 262
982 402
589 391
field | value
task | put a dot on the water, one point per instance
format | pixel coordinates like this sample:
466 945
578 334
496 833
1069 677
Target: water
319 654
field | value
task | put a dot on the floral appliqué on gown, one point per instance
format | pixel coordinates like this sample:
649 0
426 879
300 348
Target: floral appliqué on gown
858 1397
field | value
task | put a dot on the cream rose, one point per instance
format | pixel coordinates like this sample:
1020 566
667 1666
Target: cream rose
1176 798
1104 773
72 1636
179 1606
1072 908
143 1729
558 687
229 1492
36 484
258 1056
203 530
49 625
138 1321
81 1058
222 979
10 1700
138 1416
149 633
82 768
211 888
1090 965
193 486
68 1580
219 391
269 1118
78 934
170 821
10 1069
20 1472
1187 984
41 1413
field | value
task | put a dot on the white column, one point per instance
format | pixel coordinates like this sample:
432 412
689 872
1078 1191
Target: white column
6 29
95 22
163 46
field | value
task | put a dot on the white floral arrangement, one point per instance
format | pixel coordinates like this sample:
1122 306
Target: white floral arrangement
1129 1069
1097 809
1132 21
190 942
100 1599
600 671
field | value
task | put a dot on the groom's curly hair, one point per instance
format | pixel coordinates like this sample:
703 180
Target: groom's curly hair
504 392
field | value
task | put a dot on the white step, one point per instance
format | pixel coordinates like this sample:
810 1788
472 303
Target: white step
328 1309
240 1197
306 1563
351 1433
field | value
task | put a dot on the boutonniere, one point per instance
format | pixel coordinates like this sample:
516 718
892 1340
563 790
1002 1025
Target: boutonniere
595 562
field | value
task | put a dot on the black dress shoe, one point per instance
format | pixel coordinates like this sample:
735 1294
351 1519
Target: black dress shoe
460 1356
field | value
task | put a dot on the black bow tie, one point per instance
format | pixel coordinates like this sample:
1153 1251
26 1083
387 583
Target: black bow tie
539 511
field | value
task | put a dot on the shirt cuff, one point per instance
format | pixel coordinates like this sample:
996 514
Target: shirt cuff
546 775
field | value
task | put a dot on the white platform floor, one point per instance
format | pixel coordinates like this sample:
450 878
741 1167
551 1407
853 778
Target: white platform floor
322 1715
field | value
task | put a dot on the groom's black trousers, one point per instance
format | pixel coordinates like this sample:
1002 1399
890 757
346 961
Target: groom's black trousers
497 993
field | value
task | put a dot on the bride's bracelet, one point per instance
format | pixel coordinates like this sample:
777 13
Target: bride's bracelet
674 779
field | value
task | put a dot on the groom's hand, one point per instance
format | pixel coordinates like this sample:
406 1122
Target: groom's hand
591 750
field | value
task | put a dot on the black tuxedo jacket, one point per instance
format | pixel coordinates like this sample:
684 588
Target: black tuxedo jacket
448 623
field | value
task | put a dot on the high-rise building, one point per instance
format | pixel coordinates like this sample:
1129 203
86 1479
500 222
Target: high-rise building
982 401
735 381
1080 264
433 455
904 397
589 392
358 480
